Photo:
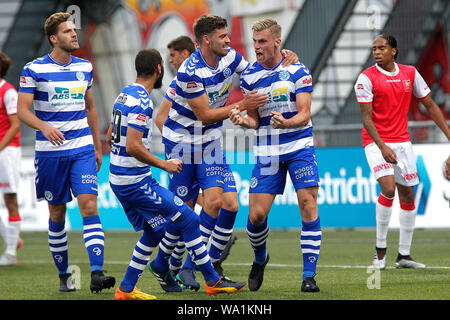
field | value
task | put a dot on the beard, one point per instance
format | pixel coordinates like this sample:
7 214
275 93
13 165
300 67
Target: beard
70 47
158 83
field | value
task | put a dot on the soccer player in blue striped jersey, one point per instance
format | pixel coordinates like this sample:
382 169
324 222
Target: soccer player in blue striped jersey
148 206
68 150
193 132
283 143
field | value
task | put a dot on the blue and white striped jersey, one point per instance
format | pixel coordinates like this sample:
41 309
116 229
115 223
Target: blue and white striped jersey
59 92
194 78
132 109
281 84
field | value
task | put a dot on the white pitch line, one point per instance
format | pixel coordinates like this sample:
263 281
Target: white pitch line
231 264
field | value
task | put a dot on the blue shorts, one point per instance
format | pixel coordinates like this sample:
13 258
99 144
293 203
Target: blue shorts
271 177
57 178
200 174
147 204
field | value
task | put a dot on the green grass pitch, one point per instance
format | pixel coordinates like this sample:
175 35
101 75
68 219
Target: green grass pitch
342 273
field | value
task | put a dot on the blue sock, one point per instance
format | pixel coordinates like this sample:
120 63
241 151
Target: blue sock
94 241
57 241
257 234
310 240
207 224
141 255
222 233
189 225
176 259
166 247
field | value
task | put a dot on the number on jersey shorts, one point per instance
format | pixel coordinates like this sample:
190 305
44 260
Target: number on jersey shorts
57 178
405 171
199 174
10 169
270 177
147 204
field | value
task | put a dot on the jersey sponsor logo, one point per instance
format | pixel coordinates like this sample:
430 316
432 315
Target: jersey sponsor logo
68 93
156 221
383 166
278 95
360 86
213 96
140 119
307 81
191 85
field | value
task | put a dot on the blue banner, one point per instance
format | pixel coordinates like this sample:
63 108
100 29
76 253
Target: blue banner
347 194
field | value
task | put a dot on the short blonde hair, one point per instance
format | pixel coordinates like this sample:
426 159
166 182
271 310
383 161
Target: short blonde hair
271 24
52 23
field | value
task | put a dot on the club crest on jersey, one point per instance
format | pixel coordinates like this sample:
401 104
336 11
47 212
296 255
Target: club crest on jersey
283 75
227 72
80 76
407 85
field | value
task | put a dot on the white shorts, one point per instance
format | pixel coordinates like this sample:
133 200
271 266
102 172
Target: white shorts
10 169
404 172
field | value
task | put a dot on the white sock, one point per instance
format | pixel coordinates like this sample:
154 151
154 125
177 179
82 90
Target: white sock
407 222
383 212
2 230
12 236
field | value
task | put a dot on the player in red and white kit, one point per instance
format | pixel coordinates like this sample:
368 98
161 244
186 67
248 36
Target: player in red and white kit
384 92
10 155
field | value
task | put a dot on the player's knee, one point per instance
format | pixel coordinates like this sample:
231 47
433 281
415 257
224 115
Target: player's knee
257 217
213 205
88 208
308 207
231 205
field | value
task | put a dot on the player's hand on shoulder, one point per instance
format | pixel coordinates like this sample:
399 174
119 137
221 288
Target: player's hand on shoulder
290 57
53 135
173 165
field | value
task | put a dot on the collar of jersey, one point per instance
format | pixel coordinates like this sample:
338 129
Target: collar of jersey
273 68
389 74
214 69
59 64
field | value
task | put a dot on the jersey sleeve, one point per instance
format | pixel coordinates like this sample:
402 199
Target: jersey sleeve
420 87
303 80
190 84
28 80
245 87
171 91
140 115
363 89
10 101
90 79
242 63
